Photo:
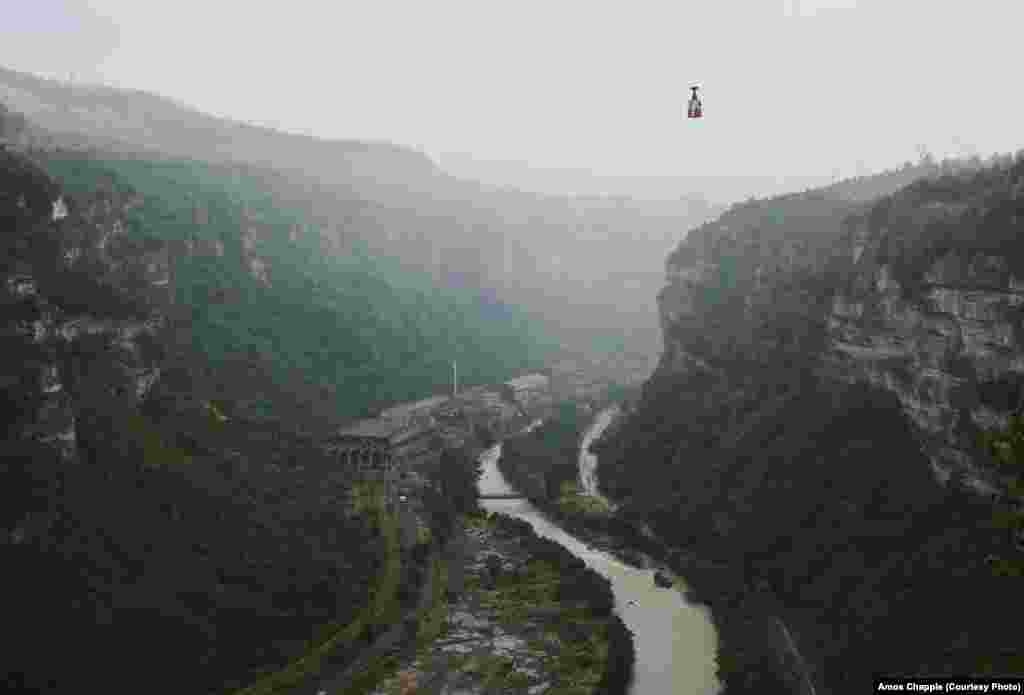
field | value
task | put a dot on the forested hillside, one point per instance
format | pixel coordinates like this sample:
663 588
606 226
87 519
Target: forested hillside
142 528
353 330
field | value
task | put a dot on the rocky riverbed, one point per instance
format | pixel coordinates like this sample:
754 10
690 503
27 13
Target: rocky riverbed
507 628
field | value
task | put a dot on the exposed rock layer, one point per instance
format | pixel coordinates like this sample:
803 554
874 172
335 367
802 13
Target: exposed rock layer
934 316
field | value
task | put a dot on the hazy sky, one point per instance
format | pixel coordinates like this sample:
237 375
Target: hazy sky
791 87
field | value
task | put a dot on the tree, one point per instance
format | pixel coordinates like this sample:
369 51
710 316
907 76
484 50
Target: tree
457 478
1007 447
485 435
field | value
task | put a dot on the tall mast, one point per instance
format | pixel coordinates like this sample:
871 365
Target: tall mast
455 379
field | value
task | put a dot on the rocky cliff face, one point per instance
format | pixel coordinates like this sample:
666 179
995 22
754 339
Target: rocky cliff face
828 363
147 509
70 276
951 350
915 293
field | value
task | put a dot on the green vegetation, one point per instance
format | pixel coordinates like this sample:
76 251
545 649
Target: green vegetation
382 609
180 519
513 597
479 519
432 621
240 562
550 453
368 498
1008 449
573 500
457 478
494 671
156 452
385 609
358 330
962 215
578 664
374 673
1007 522
453 492
581 640
542 461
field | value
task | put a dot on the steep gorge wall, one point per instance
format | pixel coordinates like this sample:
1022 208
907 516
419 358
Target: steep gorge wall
916 294
72 278
827 363
220 538
950 349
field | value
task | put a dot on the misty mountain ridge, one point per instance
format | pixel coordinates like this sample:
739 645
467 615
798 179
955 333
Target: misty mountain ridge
508 243
136 119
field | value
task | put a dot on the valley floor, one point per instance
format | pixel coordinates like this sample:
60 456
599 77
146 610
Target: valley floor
506 632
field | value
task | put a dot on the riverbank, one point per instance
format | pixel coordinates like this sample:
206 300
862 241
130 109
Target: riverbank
379 661
524 617
753 654
756 651
491 617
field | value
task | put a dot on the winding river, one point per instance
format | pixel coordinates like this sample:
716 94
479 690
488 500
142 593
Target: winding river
675 641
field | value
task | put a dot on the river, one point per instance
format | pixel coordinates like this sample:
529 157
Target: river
675 641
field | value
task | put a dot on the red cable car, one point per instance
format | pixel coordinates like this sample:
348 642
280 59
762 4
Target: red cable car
694 109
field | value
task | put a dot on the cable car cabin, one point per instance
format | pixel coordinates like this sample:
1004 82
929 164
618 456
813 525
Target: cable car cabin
694 109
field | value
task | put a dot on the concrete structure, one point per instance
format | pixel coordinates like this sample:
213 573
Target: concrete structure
479 406
414 410
385 450
528 382
531 390
483 396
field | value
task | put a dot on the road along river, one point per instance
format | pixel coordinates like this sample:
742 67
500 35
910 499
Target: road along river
675 641
588 461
